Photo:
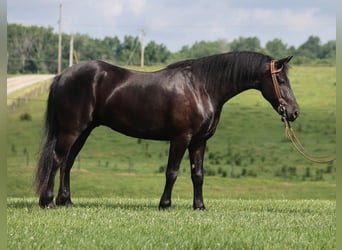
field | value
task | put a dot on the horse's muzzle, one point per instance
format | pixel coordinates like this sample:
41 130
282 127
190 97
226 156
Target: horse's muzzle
290 116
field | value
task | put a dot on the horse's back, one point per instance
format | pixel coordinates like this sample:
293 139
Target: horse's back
88 71
78 90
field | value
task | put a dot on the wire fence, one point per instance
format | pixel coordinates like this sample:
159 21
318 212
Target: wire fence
13 103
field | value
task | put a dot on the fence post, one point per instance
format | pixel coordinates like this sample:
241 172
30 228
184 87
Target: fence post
25 151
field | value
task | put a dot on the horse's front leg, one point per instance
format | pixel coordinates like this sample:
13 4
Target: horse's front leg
177 150
196 153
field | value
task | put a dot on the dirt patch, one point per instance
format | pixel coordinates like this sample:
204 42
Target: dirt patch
125 174
79 170
26 167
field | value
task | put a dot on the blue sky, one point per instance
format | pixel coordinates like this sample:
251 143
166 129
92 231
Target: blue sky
182 22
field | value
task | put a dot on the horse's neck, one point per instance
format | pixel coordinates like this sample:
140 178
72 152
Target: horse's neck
226 91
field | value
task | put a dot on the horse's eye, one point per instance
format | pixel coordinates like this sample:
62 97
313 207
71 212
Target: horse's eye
281 80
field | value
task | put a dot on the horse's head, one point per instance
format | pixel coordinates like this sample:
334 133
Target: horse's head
277 90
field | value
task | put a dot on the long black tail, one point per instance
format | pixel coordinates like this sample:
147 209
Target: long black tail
45 163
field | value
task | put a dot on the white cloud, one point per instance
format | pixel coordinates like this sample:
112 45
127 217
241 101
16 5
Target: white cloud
180 22
136 6
285 19
110 8
103 9
305 20
113 8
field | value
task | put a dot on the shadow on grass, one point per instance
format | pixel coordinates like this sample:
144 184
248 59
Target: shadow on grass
21 203
110 203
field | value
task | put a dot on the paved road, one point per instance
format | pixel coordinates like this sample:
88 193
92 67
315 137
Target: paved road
19 82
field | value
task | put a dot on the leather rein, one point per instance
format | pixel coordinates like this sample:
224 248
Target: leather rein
289 132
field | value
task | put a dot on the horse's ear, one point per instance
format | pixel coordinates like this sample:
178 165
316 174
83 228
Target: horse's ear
283 61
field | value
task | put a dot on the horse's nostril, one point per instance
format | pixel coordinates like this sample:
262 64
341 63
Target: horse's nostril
295 114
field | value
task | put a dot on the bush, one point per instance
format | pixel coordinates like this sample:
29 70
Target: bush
244 172
161 169
252 173
209 171
319 175
25 117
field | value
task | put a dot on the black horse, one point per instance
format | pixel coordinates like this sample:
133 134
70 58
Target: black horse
181 103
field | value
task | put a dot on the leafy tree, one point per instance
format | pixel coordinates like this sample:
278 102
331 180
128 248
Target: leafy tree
33 49
328 50
27 46
246 44
276 48
130 53
311 48
201 49
113 45
156 53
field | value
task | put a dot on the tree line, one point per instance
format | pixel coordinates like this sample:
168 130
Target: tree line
33 49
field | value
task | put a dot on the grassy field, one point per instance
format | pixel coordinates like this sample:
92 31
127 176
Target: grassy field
123 223
259 192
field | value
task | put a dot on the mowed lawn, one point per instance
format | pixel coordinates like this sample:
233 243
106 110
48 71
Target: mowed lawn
124 223
283 201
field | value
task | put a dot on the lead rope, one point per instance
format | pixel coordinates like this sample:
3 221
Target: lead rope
289 133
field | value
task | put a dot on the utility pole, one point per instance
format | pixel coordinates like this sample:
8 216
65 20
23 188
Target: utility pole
59 70
142 49
71 51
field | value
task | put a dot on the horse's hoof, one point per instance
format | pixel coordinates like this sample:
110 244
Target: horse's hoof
200 208
46 202
198 205
69 204
51 205
165 206
66 202
48 206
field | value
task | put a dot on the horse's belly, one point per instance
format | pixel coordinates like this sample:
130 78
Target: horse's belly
140 129
147 123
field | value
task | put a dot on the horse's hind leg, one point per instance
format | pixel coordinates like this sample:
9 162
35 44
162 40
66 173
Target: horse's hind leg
177 150
64 194
58 154
46 196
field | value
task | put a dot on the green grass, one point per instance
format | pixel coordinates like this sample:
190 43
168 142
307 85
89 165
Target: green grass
123 223
107 183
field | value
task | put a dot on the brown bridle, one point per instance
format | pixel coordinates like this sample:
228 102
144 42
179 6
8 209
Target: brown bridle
274 72
289 132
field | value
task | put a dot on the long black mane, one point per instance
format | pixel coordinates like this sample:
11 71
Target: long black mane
234 67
